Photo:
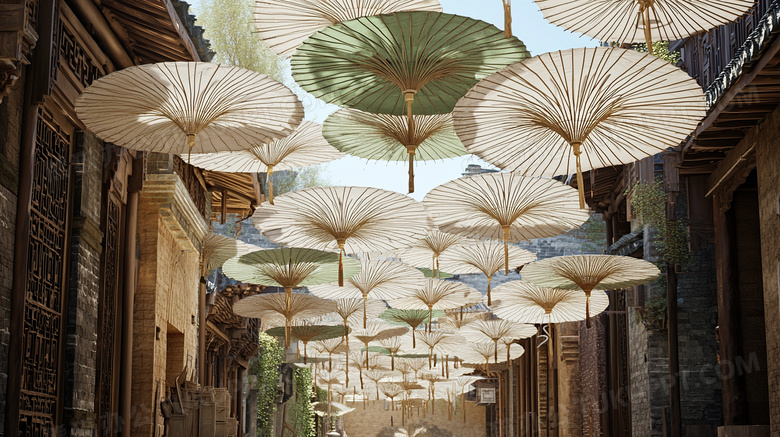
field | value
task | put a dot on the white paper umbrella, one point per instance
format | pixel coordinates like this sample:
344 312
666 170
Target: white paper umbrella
524 302
351 219
436 295
292 307
188 107
217 249
304 147
285 24
426 252
485 257
626 21
575 110
376 280
588 272
497 330
504 206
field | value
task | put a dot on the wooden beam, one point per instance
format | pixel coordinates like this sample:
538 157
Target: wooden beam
744 81
730 162
182 30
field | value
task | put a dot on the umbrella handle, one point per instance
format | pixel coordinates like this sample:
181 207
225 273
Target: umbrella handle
507 232
341 268
580 180
645 12
270 184
411 171
507 18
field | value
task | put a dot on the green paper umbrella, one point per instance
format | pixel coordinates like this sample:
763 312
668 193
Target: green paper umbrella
438 275
307 333
389 138
289 268
411 318
425 61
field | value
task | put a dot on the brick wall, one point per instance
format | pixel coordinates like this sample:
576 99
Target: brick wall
768 159
165 296
84 289
10 139
374 420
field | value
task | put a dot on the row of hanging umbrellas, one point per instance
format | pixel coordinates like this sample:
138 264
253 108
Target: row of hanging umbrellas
418 84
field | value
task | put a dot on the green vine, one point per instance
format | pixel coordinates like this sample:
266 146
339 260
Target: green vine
653 313
302 408
266 368
648 202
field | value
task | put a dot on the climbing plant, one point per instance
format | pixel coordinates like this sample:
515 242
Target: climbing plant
648 202
302 408
266 368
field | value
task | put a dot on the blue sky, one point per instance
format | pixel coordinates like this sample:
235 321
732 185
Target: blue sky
527 24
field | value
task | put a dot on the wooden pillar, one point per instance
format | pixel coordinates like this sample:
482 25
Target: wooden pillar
728 311
128 293
610 229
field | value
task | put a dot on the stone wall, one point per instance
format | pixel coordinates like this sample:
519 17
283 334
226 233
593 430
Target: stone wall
768 159
85 286
697 317
10 139
374 420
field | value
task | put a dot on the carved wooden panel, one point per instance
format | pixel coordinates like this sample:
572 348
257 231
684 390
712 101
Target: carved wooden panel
77 58
44 303
107 321
187 174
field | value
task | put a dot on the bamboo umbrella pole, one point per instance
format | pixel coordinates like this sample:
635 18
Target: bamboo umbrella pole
270 184
507 18
410 146
645 11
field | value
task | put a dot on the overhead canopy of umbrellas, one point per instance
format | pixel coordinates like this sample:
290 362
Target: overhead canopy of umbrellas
416 83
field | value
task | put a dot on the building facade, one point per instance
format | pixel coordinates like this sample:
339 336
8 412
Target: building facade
100 246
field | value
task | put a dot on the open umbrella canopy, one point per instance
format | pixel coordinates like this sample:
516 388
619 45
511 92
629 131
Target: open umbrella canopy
632 21
391 137
217 249
485 257
292 307
335 409
352 219
587 272
524 302
413 318
304 147
307 333
407 62
188 107
497 330
426 252
505 206
288 267
285 24
610 105
376 280
386 137
436 295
